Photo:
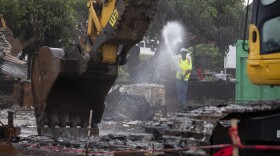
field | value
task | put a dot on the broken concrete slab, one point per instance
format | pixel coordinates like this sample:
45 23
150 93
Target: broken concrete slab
135 102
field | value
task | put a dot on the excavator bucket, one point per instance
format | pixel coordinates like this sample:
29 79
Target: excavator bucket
69 82
63 97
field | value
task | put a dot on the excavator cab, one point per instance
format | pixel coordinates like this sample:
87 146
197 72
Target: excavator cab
263 62
69 82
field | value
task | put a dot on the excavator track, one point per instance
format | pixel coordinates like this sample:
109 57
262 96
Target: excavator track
207 125
63 102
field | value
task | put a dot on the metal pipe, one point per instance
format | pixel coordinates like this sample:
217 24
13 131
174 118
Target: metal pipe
10 118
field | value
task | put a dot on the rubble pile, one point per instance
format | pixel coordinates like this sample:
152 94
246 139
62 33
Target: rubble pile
190 127
19 113
103 144
4 45
108 141
6 101
114 136
13 68
142 102
10 64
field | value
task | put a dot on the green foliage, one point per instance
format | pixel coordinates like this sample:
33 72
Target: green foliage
207 20
40 23
212 51
207 49
217 21
218 62
81 10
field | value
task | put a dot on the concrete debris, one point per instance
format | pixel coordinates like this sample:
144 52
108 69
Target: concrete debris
9 64
187 128
2 54
6 101
40 140
13 69
106 143
4 44
196 152
19 113
157 130
153 93
113 137
135 102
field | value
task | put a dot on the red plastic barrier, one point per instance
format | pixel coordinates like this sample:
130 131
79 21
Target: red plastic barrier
224 152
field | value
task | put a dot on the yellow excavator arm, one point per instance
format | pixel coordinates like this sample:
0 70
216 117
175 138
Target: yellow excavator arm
69 82
98 19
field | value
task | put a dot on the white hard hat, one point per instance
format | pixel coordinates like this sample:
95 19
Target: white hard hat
184 50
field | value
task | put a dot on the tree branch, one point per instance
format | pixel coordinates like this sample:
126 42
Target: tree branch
29 42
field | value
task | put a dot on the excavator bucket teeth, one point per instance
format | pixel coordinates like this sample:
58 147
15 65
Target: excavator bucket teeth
63 97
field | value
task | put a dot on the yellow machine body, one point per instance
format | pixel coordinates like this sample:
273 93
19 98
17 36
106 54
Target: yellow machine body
263 64
262 69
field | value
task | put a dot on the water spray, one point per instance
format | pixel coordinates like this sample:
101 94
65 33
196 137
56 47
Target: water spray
174 36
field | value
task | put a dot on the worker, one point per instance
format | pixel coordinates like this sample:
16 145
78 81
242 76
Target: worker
184 67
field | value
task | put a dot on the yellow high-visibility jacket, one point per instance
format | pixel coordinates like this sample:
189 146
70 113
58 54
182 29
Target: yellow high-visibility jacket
183 67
